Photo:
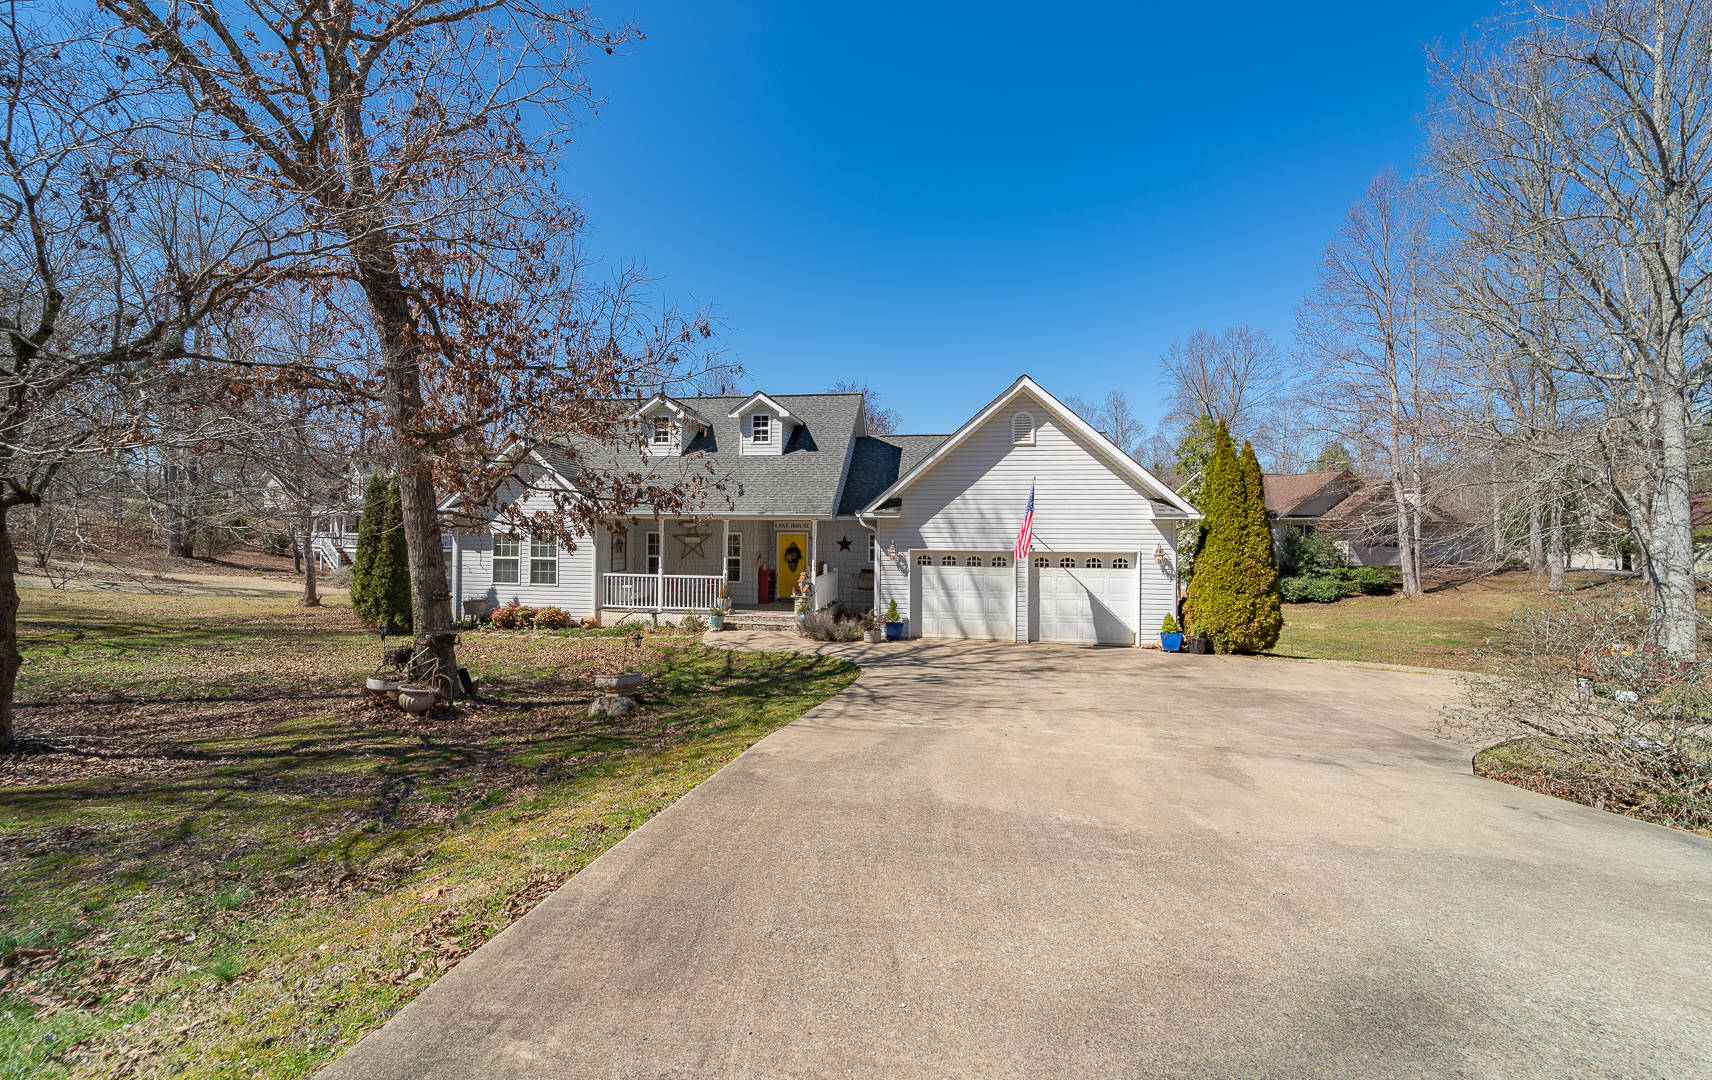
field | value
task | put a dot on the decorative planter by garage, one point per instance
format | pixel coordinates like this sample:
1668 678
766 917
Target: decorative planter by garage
1200 645
1171 642
895 630
871 636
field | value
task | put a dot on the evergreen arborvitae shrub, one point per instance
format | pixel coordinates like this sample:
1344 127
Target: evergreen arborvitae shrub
368 543
391 571
1260 572
1233 597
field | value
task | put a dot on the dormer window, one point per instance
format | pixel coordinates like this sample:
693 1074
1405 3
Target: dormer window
1022 429
662 430
761 428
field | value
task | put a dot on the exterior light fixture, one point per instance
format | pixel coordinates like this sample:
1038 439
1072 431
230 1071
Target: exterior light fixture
892 550
1159 554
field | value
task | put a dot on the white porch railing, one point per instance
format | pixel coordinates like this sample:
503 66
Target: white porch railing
672 592
825 589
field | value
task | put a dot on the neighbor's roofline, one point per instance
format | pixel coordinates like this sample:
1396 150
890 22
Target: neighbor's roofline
1064 414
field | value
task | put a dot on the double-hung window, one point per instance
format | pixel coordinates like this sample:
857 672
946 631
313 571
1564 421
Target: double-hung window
653 553
505 560
734 557
543 562
761 428
662 430
870 547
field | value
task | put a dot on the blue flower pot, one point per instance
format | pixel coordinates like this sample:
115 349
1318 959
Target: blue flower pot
1171 642
895 631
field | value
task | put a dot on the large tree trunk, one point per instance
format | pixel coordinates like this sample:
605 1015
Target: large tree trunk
10 660
1671 560
307 523
399 336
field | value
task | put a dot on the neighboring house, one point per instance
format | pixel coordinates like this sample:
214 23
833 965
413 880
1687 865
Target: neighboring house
1361 517
929 521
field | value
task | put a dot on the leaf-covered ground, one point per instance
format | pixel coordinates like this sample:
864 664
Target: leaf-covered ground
220 859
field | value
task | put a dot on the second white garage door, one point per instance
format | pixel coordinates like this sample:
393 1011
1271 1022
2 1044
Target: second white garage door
1090 601
963 601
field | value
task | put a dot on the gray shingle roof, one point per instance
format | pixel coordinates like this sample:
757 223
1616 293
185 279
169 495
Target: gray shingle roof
801 481
877 464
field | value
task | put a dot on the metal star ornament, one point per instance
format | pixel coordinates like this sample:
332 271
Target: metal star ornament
844 544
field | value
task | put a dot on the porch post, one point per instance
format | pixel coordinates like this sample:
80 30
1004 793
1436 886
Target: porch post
660 564
813 547
724 550
457 573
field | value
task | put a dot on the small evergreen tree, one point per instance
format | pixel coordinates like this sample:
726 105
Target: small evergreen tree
1233 597
1264 603
368 543
391 572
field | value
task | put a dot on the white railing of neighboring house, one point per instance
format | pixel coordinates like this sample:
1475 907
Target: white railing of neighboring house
825 589
669 592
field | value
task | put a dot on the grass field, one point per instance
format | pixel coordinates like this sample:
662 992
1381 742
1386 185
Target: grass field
220 860
1441 629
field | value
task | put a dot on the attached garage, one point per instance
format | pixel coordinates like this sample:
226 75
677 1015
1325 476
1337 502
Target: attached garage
1087 598
967 595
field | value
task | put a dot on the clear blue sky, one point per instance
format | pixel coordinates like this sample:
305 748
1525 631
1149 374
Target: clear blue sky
937 198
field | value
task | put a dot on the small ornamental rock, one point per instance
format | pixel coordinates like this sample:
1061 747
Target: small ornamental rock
611 705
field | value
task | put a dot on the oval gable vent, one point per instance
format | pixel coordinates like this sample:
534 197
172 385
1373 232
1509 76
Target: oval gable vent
1022 429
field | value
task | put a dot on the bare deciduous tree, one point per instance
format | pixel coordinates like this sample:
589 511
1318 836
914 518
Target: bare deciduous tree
422 135
1592 125
880 421
1366 328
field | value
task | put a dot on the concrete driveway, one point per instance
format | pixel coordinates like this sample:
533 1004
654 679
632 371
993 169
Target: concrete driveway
1031 861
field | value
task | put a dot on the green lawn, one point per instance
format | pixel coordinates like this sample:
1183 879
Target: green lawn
1441 629
242 866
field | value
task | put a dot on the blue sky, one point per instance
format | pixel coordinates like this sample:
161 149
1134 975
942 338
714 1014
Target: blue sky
935 199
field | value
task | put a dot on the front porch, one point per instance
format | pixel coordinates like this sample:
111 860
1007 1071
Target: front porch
693 593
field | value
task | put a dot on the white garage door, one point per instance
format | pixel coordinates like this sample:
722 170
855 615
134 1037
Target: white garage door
967 596
1086 598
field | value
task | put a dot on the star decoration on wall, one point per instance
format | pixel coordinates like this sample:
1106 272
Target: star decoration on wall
844 544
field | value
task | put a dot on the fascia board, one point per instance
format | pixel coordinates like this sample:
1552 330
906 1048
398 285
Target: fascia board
1063 414
778 410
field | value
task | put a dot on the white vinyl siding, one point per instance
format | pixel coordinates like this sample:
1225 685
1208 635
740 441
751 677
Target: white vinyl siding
973 500
573 572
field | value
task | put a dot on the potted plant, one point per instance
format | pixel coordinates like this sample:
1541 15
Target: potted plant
1170 639
716 617
894 625
870 629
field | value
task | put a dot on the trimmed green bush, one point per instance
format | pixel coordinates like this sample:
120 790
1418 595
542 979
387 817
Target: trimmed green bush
1169 626
1376 580
369 528
1311 590
1233 597
391 571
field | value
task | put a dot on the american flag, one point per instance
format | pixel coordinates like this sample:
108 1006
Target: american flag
1025 535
